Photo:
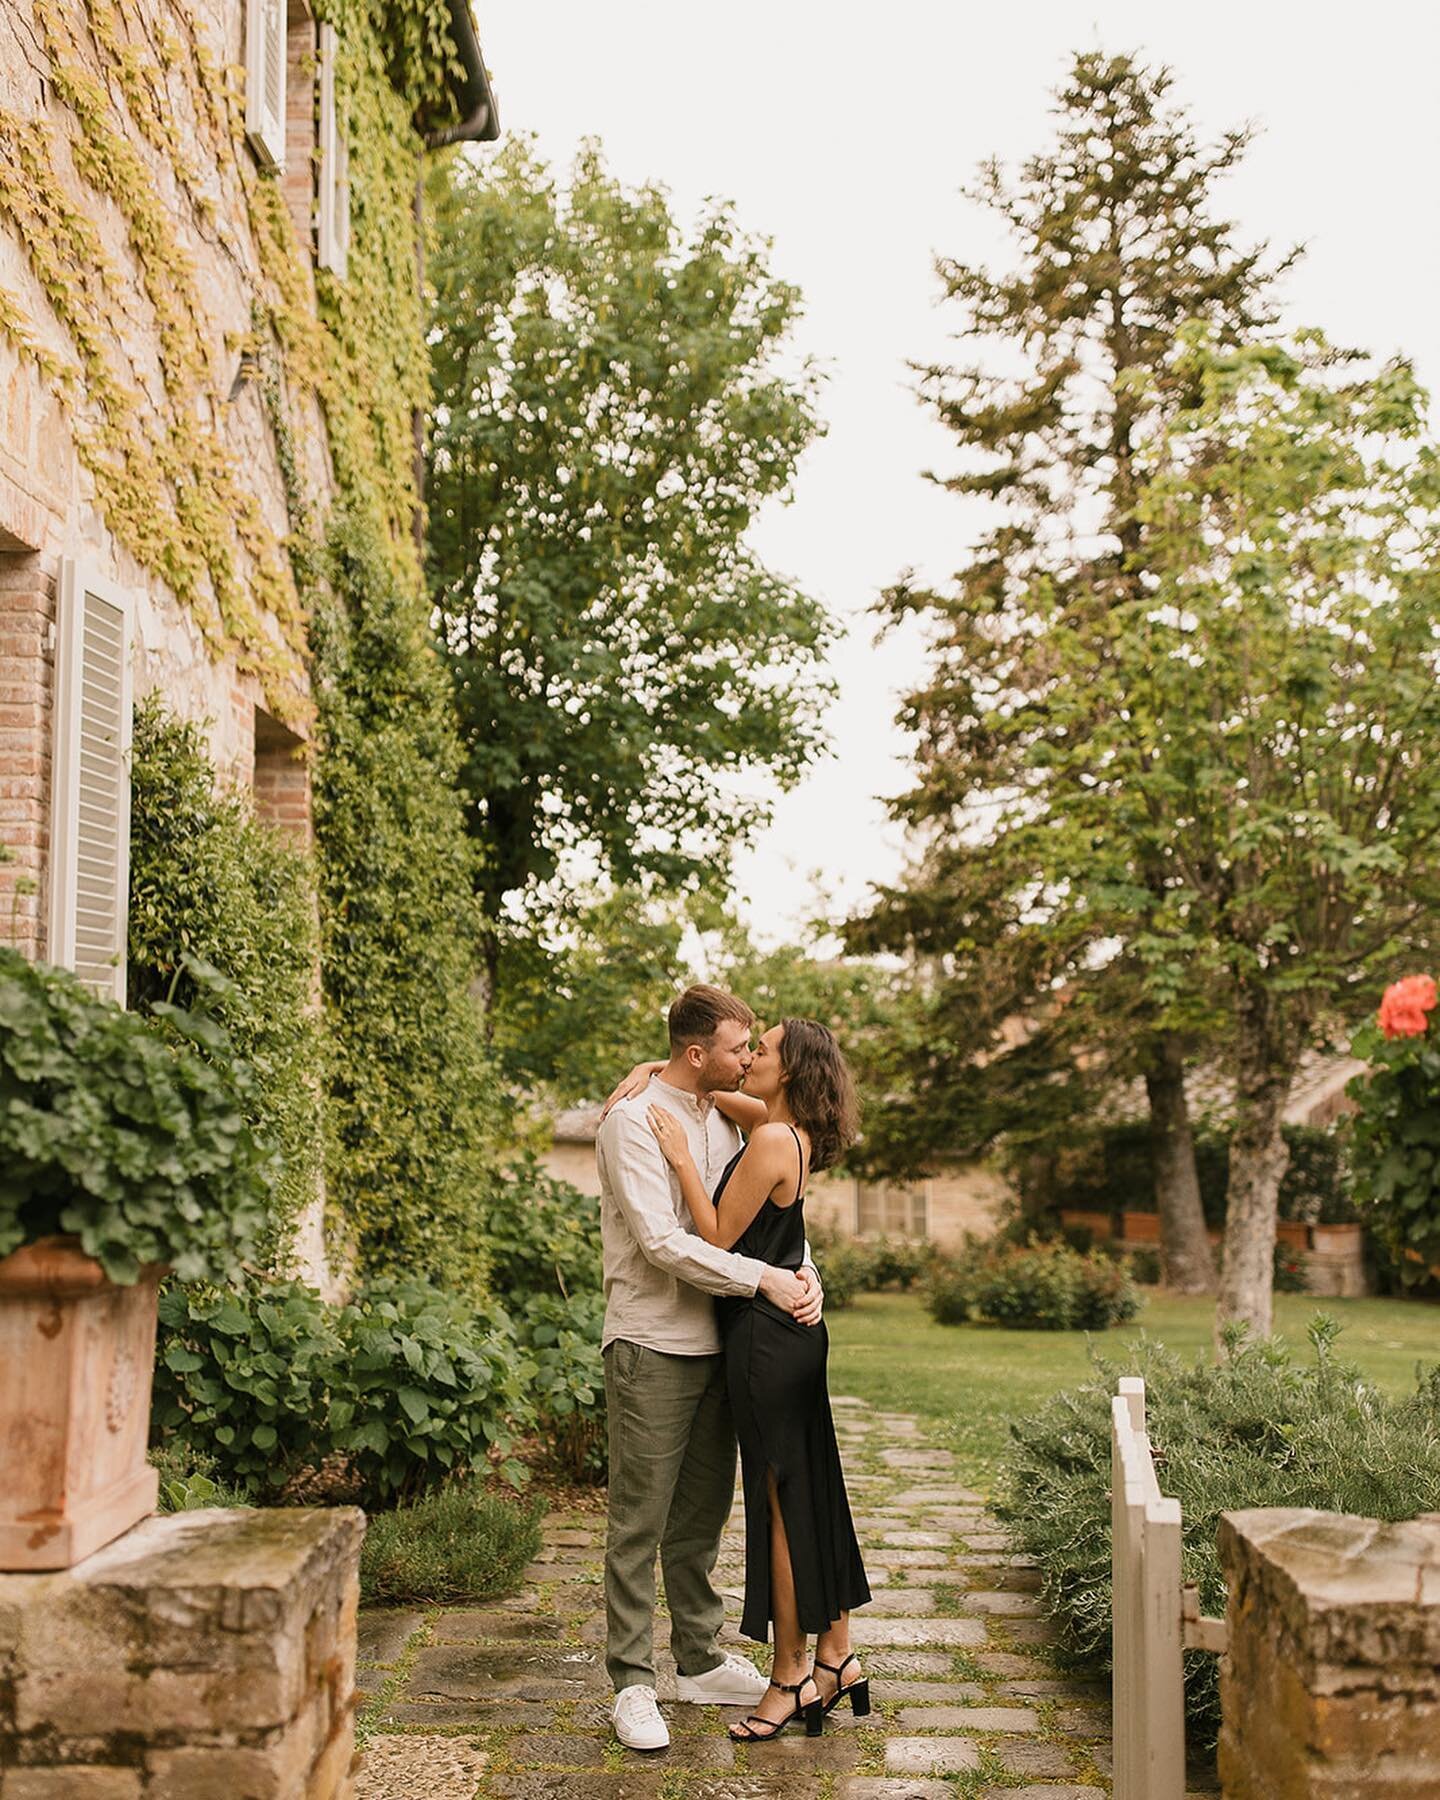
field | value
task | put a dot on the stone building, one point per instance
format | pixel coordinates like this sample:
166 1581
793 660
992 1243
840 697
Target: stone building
182 304
174 182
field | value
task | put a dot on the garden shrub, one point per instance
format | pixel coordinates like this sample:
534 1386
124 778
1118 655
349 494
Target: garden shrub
189 1479
947 1293
899 1262
210 884
412 1115
1039 1287
396 1392
543 1235
127 1133
1259 1429
460 1544
561 1338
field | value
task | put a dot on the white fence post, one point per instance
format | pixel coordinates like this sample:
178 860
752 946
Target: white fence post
1149 1686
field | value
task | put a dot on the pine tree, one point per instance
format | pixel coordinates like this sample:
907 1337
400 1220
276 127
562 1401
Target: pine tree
1119 246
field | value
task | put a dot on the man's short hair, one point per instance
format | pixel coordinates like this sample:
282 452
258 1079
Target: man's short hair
698 1013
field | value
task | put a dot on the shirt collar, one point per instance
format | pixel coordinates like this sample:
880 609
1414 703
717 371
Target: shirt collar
700 1104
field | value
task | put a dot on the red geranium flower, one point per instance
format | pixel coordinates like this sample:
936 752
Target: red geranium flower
1403 1009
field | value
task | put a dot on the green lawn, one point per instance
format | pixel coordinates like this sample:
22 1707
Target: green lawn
971 1379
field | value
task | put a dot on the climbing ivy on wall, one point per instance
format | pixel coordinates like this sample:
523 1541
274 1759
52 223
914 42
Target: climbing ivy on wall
152 132
412 1114
209 881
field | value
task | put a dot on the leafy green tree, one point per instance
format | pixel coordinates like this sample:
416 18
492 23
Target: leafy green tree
1266 714
614 402
1118 245
573 1014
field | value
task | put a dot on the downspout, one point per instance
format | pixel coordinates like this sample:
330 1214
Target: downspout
479 118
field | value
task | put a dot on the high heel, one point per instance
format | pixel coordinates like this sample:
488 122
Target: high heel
812 1712
857 1691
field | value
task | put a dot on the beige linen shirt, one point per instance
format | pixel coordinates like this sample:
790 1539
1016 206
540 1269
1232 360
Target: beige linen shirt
660 1273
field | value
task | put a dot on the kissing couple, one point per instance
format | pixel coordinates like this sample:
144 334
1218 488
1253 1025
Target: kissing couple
713 1331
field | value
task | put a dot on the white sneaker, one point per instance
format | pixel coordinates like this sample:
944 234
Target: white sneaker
638 1724
734 1682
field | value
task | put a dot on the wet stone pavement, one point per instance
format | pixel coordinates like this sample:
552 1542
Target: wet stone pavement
510 1701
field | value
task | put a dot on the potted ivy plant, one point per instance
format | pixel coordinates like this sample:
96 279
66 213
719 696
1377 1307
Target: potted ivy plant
124 1152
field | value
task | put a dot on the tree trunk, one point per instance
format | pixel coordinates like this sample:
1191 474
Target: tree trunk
1259 1156
1187 1263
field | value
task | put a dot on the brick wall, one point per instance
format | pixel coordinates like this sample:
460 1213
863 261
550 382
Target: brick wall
27 659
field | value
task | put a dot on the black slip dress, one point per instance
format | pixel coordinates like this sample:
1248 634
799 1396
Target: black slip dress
775 1370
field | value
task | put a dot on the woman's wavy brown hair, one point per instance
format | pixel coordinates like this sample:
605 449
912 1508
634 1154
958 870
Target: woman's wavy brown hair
819 1088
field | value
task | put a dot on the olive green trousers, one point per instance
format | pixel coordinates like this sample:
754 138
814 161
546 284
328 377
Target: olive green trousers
672 1484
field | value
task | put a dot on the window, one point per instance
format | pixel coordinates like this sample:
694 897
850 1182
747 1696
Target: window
333 247
892 1209
90 829
265 56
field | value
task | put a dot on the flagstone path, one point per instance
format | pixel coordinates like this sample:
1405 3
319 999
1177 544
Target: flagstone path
510 1701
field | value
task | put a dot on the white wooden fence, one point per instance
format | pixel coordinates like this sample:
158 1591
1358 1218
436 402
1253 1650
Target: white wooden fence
1155 1616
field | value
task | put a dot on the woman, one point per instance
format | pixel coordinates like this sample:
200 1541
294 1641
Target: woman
802 1560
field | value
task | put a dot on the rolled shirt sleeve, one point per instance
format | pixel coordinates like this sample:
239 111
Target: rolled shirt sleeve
643 1189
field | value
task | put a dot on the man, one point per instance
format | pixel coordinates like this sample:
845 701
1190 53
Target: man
671 1440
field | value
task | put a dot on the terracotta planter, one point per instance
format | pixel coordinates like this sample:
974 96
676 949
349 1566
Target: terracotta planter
76 1358
1293 1233
1336 1240
1142 1228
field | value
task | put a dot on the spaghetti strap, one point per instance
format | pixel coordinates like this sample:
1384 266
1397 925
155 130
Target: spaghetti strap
800 1149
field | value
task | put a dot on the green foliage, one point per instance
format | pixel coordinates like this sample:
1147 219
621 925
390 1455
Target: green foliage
403 1388
612 409
1258 1430
208 881
460 1544
544 1242
1110 1169
851 1266
1033 1287
242 1378
1289 1273
1066 372
947 1293
412 1110
562 1339
188 1479
543 1235
134 1140
1396 1137
586 1001
428 1389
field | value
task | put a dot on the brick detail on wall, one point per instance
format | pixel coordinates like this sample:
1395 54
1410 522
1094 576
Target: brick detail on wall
27 685
281 779
1331 1685
299 177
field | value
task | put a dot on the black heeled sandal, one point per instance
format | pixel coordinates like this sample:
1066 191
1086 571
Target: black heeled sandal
859 1691
812 1712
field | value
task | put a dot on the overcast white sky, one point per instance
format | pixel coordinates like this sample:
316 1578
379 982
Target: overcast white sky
845 135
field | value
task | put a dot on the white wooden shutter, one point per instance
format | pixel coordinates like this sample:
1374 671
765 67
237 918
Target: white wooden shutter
265 49
333 246
90 778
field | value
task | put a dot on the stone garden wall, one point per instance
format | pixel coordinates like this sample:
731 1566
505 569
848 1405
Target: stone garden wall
203 1654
